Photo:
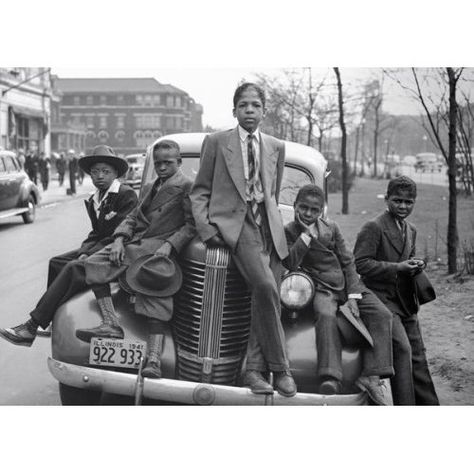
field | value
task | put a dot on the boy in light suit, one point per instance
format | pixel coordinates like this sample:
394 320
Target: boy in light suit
235 204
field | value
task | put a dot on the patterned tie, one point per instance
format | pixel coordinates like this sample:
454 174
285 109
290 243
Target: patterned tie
254 182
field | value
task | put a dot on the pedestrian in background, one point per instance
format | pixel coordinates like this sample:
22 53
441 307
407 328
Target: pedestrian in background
80 173
21 157
61 168
31 166
44 170
72 165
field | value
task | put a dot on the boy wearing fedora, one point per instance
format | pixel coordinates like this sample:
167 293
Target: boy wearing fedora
142 255
235 204
385 258
107 207
317 247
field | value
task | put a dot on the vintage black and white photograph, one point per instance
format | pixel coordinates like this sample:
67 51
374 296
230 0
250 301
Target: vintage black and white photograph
236 231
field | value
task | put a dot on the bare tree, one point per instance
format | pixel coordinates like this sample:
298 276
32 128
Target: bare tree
342 124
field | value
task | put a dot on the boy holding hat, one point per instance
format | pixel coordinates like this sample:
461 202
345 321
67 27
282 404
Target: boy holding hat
385 259
317 247
107 207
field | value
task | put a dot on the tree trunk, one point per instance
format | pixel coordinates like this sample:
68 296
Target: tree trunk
345 190
376 136
452 236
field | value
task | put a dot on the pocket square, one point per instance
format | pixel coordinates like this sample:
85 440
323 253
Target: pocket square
110 215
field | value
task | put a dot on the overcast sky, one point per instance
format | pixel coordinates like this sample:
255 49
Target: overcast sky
214 87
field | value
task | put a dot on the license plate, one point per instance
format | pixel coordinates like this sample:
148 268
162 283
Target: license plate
116 352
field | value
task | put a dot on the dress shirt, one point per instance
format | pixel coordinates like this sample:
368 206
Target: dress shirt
256 153
97 201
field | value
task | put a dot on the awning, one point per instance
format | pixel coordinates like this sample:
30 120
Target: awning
28 112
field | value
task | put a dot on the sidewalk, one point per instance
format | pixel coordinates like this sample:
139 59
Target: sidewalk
55 193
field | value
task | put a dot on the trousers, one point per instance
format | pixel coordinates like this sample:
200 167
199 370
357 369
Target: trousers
261 268
412 383
57 263
376 317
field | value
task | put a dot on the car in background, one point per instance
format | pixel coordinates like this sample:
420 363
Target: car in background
18 194
136 164
203 356
428 162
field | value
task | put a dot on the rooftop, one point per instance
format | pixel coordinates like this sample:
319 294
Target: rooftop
121 84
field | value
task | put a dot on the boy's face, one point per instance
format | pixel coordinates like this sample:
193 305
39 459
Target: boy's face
308 209
166 162
102 175
249 110
400 204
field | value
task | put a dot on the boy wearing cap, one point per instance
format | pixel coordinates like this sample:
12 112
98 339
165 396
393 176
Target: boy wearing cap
106 208
385 259
235 204
317 247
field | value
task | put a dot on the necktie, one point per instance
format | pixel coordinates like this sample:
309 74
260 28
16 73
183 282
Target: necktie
253 179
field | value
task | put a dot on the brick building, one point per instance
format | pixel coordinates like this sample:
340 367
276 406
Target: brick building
127 113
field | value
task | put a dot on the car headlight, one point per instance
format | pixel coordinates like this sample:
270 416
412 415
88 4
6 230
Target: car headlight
297 290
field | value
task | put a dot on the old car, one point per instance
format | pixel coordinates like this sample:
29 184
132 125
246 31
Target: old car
136 164
204 351
18 194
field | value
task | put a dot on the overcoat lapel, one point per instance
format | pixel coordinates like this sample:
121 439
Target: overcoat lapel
268 157
90 210
233 160
394 235
166 191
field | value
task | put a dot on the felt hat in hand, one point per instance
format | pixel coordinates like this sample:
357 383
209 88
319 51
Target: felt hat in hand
352 328
154 275
103 154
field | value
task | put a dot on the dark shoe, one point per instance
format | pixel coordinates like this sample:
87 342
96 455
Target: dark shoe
285 384
22 335
257 383
375 388
330 386
104 330
153 357
44 332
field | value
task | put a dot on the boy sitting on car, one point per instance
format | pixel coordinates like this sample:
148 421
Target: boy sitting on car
317 247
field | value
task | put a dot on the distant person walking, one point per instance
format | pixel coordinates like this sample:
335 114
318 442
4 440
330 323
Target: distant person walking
80 173
72 164
44 170
31 166
61 168
21 157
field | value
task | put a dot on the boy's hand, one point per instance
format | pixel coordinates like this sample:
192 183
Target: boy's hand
352 305
303 225
117 252
215 241
408 266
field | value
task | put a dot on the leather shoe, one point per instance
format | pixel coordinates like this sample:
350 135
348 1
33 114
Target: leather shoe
330 386
257 383
22 335
285 384
375 388
104 330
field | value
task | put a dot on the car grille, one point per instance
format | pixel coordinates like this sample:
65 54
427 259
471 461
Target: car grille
211 320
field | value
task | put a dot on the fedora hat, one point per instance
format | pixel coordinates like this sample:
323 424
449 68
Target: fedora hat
154 275
103 154
424 289
352 328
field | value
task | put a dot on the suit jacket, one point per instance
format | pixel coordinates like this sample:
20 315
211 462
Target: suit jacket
327 259
103 227
218 196
378 249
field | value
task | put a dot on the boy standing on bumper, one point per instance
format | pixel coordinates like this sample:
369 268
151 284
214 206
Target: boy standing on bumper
317 247
384 254
235 204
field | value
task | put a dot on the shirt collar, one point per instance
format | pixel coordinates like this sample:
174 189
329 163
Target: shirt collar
113 188
244 134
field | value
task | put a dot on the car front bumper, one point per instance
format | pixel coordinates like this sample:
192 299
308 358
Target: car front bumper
183 392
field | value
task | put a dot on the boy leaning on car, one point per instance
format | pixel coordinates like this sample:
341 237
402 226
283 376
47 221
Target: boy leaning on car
153 233
317 247
235 204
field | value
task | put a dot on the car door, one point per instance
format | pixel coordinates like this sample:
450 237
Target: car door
3 186
14 178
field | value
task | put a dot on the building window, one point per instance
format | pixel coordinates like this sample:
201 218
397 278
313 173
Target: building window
139 99
178 121
90 139
156 134
148 101
148 121
103 100
169 101
90 121
178 102
120 121
89 100
169 123
76 100
120 100
120 136
103 121
103 136
156 100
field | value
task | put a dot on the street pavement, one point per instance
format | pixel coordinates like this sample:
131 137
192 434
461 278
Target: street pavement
61 224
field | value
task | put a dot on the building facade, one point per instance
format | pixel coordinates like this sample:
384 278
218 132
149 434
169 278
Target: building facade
25 109
125 113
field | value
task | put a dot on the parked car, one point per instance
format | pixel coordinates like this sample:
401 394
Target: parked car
428 162
136 164
18 194
204 351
